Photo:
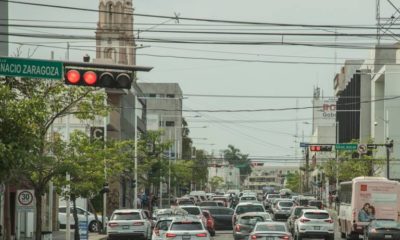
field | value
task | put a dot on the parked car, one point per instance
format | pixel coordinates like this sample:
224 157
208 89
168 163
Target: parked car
222 217
129 223
189 227
93 224
246 223
270 230
282 209
294 214
210 223
382 229
314 223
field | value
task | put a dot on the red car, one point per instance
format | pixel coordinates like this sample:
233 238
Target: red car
210 222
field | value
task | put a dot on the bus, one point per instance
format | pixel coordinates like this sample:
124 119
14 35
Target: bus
363 199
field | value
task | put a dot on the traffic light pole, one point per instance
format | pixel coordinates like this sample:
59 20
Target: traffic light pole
135 192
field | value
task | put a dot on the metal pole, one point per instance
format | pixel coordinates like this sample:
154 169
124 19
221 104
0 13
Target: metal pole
387 159
135 160
105 176
337 158
68 207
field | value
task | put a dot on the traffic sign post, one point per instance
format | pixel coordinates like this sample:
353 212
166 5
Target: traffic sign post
25 200
346 146
31 68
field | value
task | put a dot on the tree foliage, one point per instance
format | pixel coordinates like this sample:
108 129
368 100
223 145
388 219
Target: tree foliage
293 181
235 157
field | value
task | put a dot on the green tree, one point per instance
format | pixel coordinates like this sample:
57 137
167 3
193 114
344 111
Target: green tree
235 157
293 181
186 141
200 169
216 182
40 104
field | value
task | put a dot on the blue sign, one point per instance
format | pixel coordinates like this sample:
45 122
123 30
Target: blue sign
83 230
303 144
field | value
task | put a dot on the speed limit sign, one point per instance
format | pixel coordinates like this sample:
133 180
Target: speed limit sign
25 200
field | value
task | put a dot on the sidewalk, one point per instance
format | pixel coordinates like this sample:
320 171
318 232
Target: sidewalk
60 235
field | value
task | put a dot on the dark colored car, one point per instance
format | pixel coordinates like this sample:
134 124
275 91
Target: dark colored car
210 222
208 204
316 203
295 214
222 217
246 222
382 229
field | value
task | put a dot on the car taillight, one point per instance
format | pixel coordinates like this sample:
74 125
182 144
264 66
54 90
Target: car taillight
111 224
138 223
285 237
237 228
170 235
254 236
303 220
201 235
157 231
329 221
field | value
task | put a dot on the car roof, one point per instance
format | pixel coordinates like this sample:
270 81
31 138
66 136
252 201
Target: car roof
314 210
248 203
127 210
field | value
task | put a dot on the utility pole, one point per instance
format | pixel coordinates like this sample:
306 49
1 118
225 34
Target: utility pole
389 147
307 168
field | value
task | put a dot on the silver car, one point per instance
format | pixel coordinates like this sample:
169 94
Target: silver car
314 223
187 228
128 223
270 231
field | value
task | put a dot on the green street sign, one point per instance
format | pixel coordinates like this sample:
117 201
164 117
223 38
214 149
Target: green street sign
346 146
31 68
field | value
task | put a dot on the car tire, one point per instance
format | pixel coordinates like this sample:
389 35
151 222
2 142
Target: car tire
94 226
212 233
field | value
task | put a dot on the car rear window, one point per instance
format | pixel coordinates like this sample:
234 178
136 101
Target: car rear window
249 208
126 216
285 204
311 203
192 210
386 224
250 219
297 211
271 227
248 198
208 204
316 215
222 211
273 196
186 226
163 224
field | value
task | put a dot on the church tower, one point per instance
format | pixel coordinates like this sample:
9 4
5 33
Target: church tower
114 34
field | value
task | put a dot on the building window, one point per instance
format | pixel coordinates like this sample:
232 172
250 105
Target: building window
152 95
169 123
170 95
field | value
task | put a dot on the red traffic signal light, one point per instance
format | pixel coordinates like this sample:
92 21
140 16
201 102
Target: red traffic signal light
320 148
97 78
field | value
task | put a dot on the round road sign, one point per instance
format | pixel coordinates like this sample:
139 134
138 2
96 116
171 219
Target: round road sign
362 148
25 198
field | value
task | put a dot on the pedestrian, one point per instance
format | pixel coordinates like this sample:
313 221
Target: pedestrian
138 202
330 199
145 201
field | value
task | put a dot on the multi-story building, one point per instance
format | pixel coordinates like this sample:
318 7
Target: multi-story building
164 111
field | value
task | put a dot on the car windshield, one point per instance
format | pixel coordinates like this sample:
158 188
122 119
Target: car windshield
126 216
192 210
186 226
163 224
316 215
270 227
286 204
252 220
249 208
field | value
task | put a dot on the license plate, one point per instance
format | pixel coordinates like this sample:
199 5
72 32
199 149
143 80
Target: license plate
269 238
388 236
186 237
125 227
317 227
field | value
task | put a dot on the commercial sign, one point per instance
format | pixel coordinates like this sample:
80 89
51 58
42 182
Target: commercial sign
329 108
25 200
31 68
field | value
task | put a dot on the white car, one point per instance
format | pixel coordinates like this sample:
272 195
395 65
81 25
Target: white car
129 223
188 227
93 225
314 223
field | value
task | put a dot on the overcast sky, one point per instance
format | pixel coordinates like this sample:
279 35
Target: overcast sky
280 72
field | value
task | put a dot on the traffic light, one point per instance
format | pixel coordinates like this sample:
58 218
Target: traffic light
320 148
133 183
97 77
